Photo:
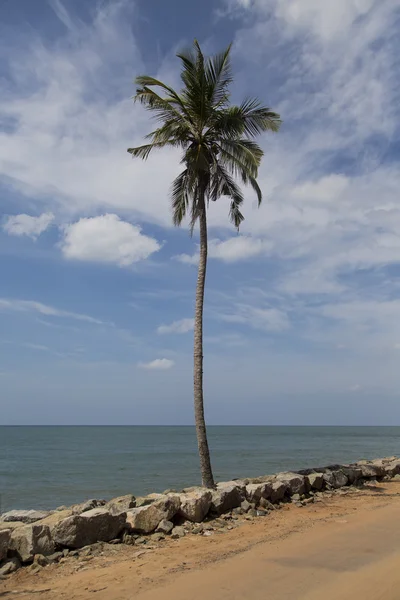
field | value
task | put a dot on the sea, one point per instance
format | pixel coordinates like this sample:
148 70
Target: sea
45 467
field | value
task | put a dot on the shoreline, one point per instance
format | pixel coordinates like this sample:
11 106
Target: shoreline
40 538
342 546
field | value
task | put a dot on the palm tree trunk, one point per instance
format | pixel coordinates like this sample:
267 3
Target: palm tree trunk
204 453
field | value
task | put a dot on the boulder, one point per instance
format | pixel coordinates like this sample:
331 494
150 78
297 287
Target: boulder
256 491
195 505
5 537
369 470
10 566
32 539
278 491
392 467
96 525
165 526
227 496
145 519
78 509
24 516
315 481
121 504
352 472
294 481
335 479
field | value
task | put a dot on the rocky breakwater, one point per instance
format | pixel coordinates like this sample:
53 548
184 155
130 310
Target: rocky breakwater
45 537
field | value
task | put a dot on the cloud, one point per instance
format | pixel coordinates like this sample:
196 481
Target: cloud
107 239
159 364
231 250
55 101
264 319
43 309
182 326
28 225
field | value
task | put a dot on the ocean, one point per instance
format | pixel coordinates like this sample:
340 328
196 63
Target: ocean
45 467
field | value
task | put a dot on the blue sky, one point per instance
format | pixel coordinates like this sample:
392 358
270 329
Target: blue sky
302 318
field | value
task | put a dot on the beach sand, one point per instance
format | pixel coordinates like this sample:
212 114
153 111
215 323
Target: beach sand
346 547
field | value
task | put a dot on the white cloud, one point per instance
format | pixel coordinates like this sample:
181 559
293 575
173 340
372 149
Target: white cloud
16 305
159 364
182 326
234 249
28 225
107 239
56 102
261 319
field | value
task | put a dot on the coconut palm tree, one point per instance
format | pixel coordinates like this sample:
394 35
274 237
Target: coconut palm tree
216 140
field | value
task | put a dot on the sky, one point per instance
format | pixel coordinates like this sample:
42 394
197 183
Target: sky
302 313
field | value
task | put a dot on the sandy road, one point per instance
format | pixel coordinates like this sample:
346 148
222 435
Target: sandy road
347 547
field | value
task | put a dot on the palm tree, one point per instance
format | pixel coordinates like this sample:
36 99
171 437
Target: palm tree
216 140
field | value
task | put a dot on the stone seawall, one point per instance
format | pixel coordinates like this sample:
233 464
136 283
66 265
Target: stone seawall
43 537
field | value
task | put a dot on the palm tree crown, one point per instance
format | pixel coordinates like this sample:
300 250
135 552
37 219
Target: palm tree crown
214 136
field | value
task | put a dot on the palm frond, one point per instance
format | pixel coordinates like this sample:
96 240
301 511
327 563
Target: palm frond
218 73
144 151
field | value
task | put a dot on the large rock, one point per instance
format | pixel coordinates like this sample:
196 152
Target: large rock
278 491
195 505
121 504
227 496
294 481
369 470
96 525
32 539
335 479
392 467
24 516
315 481
352 472
256 491
5 537
145 519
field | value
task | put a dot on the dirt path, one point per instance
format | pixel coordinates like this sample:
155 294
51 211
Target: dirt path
345 548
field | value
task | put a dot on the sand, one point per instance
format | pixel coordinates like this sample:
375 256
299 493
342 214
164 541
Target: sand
346 547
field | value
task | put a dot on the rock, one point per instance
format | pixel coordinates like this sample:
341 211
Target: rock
55 557
78 509
370 470
41 560
95 525
178 532
227 496
295 483
144 501
256 491
10 566
29 540
145 519
353 473
121 504
165 527
198 529
24 516
335 479
195 505
392 467
128 539
278 491
157 537
296 498
266 504
252 513
244 507
315 481
261 512
5 537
